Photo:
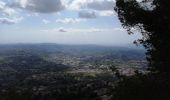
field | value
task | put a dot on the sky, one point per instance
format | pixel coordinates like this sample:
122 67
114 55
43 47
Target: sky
61 22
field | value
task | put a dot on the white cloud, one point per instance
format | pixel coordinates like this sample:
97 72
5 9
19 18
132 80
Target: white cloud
101 5
40 6
78 4
89 30
9 11
86 8
93 8
82 30
92 4
69 20
20 3
96 30
8 14
94 13
2 5
94 35
10 21
85 30
61 29
6 10
87 14
105 13
45 21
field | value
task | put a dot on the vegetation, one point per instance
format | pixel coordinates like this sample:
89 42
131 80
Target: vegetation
152 19
153 22
57 72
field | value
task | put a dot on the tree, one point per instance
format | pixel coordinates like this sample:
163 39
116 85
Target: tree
152 19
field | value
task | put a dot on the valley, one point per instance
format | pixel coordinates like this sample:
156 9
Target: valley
64 72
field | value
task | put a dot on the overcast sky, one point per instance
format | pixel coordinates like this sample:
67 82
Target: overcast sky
61 21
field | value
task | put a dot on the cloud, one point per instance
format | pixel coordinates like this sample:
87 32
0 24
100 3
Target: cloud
94 14
6 10
93 8
8 14
55 30
92 4
69 20
89 30
101 5
40 6
87 14
10 21
77 4
76 30
9 11
45 21
2 4
106 13
95 30
61 30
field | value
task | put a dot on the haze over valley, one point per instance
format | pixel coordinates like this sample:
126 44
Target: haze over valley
53 71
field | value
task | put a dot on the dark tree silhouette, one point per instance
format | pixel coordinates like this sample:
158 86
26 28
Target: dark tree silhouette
152 19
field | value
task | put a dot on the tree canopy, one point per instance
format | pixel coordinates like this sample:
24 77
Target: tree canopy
152 19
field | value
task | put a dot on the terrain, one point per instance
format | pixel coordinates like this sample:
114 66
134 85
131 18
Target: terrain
64 72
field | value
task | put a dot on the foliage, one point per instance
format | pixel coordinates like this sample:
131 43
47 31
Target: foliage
142 87
152 19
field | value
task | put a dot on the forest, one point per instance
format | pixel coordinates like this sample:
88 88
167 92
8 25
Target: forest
69 50
74 72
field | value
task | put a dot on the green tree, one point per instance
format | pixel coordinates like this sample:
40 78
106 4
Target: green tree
152 19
